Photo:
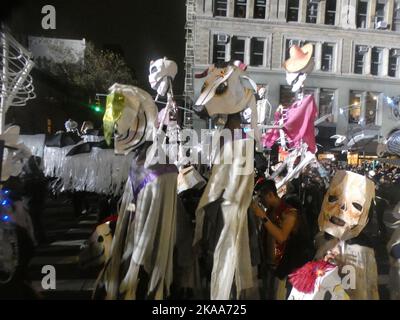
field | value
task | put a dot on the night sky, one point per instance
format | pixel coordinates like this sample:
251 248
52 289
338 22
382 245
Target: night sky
144 29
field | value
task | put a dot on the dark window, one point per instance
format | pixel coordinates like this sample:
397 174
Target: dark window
327 57
240 8
218 50
326 101
259 9
359 59
293 10
237 49
330 12
394 63
362 6
291 42
256 52
286 97
376 61
220 8
380 11
312 9
396 16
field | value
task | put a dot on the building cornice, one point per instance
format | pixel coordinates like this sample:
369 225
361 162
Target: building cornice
296 25
315 74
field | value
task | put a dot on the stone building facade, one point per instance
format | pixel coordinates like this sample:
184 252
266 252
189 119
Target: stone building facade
356 51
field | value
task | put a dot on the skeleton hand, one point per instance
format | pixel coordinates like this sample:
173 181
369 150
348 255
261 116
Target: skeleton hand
333 256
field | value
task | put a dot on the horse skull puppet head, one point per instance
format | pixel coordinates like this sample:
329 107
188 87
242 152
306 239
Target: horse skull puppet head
224 94
345 208
130 116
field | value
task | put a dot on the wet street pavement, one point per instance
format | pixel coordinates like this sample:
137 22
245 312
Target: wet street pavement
66 234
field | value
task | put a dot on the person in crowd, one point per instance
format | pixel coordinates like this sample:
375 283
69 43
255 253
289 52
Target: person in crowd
284 239
35 184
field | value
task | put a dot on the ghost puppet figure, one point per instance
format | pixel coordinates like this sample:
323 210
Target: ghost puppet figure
344 212
161 73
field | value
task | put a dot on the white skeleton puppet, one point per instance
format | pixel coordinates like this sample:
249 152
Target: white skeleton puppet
295 124
343 216
229 189
145 233
162 72
393 249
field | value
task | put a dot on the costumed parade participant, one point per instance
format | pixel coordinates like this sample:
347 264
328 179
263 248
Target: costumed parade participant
141 262
221 235
17 235
145 233
343 217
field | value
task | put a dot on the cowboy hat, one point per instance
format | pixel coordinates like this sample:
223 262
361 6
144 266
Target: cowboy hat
299 58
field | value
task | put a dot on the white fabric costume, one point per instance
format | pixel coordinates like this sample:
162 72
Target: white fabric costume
145 237
362 258
232 253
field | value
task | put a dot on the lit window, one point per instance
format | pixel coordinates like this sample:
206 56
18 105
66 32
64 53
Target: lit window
394 63
237 48
362 6
326 102
312 9
293 10
327 57
259 9
377 61
355 107
330 13
359 58
220 8
256 52
219 48
240 8
371 105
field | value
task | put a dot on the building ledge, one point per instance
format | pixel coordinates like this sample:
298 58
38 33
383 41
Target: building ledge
308 26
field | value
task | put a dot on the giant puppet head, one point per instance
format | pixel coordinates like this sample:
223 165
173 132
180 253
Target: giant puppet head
97 249
223 94
299 65
345 208
161 72
130 116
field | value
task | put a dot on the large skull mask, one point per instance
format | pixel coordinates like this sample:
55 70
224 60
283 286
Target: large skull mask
160 72
131 116
345 208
